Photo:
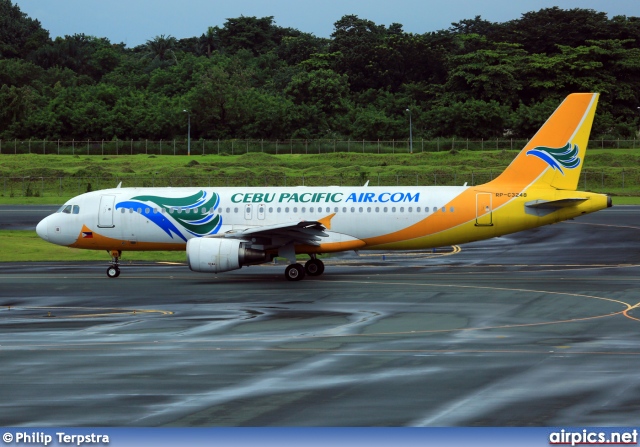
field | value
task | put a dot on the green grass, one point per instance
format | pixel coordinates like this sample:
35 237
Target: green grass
53 179
621 200
23 245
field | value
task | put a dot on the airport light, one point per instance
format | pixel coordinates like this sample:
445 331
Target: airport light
188 131
410 133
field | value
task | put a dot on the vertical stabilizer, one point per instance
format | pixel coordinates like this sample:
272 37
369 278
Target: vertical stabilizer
554 156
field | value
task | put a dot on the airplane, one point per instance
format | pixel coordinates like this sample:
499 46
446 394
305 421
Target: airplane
226 228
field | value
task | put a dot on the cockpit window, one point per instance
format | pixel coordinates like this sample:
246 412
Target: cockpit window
76 209
67 209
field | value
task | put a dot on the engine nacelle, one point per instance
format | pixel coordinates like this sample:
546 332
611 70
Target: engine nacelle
215 255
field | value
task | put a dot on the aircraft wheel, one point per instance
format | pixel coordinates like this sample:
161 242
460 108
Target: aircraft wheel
294 272
113 272
314 267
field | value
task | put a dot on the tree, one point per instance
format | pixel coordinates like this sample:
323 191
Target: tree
19 34
357 39
542 31
85 55
160 50
488 72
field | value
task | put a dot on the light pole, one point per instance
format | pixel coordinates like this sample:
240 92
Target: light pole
410 133
188 131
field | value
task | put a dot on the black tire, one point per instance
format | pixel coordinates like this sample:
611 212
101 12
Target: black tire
113 272
314 267
294 272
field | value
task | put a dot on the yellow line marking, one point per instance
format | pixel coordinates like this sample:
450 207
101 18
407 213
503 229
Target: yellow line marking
455 249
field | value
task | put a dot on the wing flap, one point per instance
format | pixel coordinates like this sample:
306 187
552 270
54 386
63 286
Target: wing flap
304 232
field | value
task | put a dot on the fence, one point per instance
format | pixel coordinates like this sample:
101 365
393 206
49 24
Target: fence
619 180
237 147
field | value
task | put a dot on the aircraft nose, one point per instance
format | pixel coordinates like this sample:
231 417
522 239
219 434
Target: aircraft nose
42 229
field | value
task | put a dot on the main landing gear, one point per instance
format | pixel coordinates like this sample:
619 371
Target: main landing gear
296 272
114 270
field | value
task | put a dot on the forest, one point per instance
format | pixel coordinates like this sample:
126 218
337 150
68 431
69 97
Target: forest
251 78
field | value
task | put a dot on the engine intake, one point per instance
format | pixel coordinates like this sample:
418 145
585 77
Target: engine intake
215 255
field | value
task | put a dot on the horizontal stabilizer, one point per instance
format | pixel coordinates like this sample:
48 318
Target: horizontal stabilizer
554 204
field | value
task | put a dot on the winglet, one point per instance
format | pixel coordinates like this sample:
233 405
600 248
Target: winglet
326 221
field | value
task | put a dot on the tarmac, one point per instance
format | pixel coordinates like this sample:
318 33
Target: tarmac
539 328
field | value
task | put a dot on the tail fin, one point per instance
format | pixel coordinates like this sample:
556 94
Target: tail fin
553 158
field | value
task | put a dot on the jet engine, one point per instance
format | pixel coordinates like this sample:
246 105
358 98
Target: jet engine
215 255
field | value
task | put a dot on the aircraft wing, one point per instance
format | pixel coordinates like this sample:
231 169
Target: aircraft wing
304 232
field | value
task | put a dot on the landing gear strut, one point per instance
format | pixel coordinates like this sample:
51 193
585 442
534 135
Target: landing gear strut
114 270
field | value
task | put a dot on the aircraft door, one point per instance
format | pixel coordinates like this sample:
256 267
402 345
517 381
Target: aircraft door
484 210
105 215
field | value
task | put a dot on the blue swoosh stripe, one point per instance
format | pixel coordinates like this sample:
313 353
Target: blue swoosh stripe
157 218
546 157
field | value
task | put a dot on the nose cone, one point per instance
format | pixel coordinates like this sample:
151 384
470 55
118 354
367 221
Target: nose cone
42 229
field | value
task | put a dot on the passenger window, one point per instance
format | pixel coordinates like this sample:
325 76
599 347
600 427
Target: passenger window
76 209
139 210
435 209
393 209
368 209
130 210
417 209
220 210
344 209
444 209
122 210
279 209
402 209
147 210
377 209
270 209
295 209
228 210
335 210
310 210
386 209
451 209
360 209
286 209
235 210
410 209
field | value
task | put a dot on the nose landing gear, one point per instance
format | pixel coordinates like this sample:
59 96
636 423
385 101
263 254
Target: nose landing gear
114 270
